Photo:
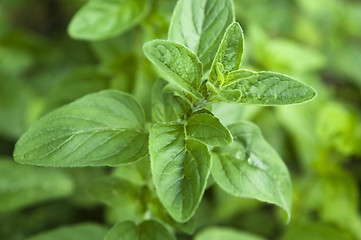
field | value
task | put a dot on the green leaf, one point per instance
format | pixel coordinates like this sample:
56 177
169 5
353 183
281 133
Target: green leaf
230 51
101 19
181 106
268 88
236 76
22 186
100 129
85 231
222 95
158 212
208 129
217 74
179 64
147 230
200 25
217 233
181 100
251 168
180 169
162 110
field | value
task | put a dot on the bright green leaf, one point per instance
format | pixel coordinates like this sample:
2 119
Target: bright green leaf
147 230
236 76
218 233
162 110
180 169
230 51
85 231
200 25
223 95
179 64
181 100
176 90
217 73
100 129
101 19
208 129
21 186
181 106
159 212
268 88
251 168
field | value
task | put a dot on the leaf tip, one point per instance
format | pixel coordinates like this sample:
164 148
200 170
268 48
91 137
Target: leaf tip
313 93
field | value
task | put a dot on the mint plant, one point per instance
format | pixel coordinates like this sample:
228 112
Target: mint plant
199 65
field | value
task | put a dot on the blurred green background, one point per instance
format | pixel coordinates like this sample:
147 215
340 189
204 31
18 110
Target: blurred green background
316 41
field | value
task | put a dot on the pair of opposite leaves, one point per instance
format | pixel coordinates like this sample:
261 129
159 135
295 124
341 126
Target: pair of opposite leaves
226 82
114 123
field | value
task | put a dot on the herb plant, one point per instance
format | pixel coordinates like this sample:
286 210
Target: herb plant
167 163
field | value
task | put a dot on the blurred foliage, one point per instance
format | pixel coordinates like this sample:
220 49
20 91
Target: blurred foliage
42 68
